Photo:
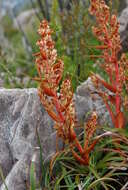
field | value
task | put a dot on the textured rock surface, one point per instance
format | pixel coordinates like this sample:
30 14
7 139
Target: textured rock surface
87 101
123 20
20 113
6 160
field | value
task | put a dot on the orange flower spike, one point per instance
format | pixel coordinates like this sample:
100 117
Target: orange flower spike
51 69
107 32
90 128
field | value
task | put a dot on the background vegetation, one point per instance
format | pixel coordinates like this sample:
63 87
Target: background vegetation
72 25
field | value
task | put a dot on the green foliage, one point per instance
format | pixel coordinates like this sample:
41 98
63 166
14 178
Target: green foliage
32 176
107 168
15 62
75 32
55 14
9 30
72 33
3 178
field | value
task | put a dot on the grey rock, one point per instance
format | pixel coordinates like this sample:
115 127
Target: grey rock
6 160
20 114
87 101
25 17
123 20
18 175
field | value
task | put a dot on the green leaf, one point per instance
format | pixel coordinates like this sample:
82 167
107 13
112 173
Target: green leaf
3 179
32 176
100 180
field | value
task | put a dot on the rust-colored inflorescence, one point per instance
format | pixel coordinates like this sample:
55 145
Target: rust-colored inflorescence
50 70
89 129
60 105
107 32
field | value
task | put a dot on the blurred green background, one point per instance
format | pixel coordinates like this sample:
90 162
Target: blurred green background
71 22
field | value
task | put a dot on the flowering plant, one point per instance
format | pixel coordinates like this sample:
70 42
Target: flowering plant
58 99
60 106
114 64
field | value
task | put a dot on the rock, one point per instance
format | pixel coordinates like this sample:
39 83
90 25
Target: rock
25 17
20 114
87 101
123 20
6 160
18 175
